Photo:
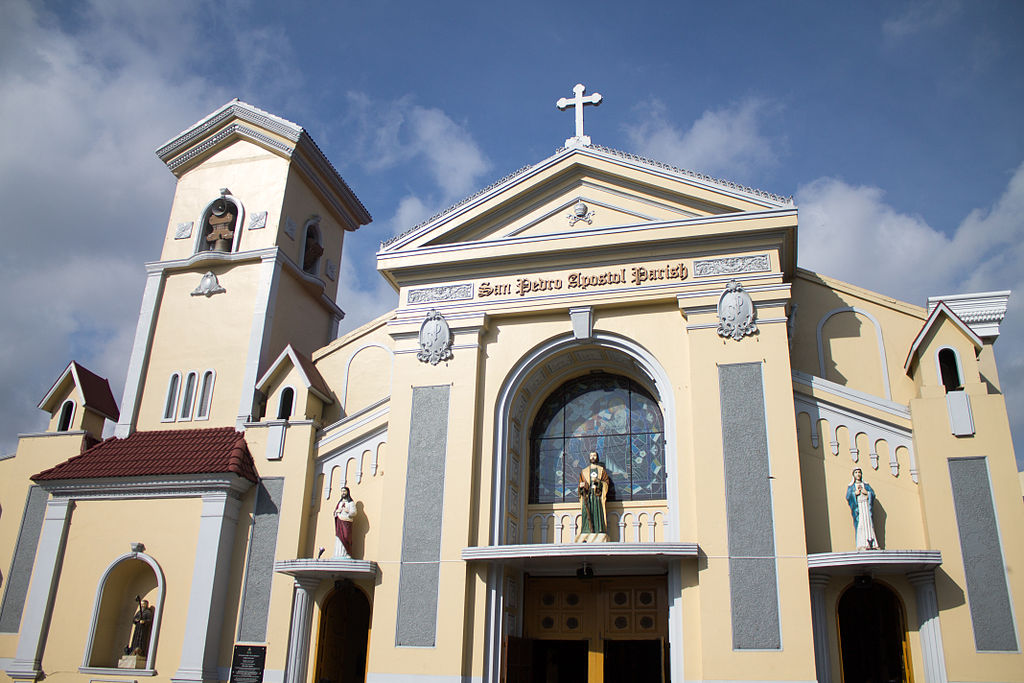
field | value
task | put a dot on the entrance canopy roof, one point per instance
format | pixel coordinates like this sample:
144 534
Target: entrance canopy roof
560 558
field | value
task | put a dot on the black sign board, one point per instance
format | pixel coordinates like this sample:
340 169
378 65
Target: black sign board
247 663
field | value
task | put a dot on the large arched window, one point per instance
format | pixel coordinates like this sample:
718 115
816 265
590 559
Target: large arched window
600 412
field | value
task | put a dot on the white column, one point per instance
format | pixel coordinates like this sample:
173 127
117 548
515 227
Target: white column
217 524
298 637
675 621
259 332
819 622
140 354
928 626
35 619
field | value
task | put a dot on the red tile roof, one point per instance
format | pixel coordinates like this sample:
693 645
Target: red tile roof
96 391
219 450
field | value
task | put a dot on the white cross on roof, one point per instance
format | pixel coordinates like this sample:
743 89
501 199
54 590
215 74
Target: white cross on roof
578 102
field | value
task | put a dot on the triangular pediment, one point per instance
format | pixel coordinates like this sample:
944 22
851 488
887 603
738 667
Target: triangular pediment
581 190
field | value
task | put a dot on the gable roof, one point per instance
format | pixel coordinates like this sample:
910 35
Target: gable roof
93 391
217 450
311 377
238 119
766 199
941 309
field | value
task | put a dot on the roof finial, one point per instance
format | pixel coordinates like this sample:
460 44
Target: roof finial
578 102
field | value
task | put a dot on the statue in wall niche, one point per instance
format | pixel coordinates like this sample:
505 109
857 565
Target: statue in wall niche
861 498
220 225
142 625
312 252
593 493
343 514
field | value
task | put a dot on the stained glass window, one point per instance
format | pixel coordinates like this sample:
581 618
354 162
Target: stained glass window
600 412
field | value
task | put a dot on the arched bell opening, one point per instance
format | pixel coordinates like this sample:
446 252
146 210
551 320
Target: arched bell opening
344 635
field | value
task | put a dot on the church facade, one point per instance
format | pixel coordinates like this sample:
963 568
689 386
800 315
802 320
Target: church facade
612 431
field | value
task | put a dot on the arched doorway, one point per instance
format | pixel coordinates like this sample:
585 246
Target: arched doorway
344 633
872 635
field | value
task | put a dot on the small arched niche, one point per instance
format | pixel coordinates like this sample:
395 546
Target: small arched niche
129 580
67 412
949 370
312 247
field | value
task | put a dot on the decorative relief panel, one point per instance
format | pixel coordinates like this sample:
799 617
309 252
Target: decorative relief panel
428 295
435 339
332 269
208 286
183 231
735 312
732 265
580 212
258 220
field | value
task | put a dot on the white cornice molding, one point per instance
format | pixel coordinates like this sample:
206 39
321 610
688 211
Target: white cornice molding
212 258
982 312
351 423
327 569
176 486
727 187
874 561
897 410
217 128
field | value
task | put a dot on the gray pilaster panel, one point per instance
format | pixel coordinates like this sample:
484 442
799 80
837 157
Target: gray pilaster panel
753 580
987 592
421 528
259 568
20 574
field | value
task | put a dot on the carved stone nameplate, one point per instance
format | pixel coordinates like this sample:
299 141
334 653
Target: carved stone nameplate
183 231
428 295
732 265
435 339
735 312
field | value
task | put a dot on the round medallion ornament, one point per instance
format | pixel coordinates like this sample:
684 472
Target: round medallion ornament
735 312
435 339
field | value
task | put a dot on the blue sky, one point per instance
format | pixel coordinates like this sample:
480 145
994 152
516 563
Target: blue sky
895 125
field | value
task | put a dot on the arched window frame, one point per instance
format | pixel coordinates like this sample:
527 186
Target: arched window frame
314 225
67 416
289 393
198 246
958 366
204 394
170 413
188 396
634 388
157 611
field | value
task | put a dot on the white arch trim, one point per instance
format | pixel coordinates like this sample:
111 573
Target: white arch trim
878 335
348 367
503 407
158 610
959 365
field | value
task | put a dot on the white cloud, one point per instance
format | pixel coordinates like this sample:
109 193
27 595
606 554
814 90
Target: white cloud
851 233
400 132
85 199
920 16
728 141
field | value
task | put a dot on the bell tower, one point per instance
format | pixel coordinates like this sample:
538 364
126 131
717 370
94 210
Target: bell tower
249 264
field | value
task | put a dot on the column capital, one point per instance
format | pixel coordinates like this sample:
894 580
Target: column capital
307 584
922 577
819 579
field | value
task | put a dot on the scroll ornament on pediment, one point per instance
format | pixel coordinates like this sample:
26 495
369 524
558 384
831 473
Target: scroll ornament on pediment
435 339
736 312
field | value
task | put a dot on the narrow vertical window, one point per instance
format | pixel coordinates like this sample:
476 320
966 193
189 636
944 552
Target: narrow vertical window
950 369
66 412
205 394
172 397
188 397
284 409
